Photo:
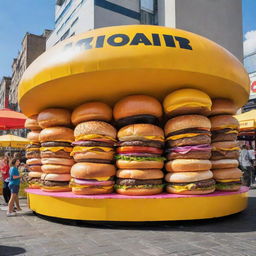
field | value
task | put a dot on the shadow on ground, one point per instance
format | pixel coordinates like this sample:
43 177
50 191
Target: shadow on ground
11 250
240 222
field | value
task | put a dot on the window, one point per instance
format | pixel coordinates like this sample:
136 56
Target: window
148 12
65 35
250 63
63 12
147 5
74 22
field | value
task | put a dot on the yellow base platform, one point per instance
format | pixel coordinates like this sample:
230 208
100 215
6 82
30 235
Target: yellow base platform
164 207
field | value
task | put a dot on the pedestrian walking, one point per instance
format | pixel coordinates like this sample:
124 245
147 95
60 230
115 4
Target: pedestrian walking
14 185
4 168
245 161
252 155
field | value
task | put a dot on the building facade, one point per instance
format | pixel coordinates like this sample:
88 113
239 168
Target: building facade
222 25
4 92
250 65
32 46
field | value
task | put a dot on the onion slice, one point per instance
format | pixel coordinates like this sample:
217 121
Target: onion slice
94 182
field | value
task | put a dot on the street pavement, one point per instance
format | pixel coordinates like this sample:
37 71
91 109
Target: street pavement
28 234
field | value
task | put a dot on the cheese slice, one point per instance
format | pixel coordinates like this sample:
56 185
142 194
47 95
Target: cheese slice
73 185
92 149
185 135
160 138
63 140
228 180
189 105
93 136
32 149
183 188
54 187
98 178
233 131
56 149
225 149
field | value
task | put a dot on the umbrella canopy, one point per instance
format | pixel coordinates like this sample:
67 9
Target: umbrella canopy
247 120
10 119
13 141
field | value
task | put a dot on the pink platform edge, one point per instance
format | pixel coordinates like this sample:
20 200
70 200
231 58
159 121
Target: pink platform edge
117 196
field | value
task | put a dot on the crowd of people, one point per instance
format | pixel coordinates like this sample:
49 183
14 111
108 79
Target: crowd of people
247 164
11 179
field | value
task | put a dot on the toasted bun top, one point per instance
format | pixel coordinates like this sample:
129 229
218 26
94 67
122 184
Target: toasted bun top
91 111
137 105
188 176
57 134
32 124
140 174
55 177
222 107
224 121
54 117
187 121
186 98
34 174
92 170
140 130
95 127
225 145
226 174
33 136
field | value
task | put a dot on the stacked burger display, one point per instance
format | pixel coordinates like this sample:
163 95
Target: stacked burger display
225 150
55 138
140 146
94 170
188 140
33 153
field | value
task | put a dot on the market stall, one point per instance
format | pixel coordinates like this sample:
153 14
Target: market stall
106 65
247 130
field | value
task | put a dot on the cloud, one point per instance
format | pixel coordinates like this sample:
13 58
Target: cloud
250 42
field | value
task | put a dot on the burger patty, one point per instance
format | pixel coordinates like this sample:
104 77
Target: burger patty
137 119
133 182
197 140
91 160
55 144
223 137
91 143
50 183
189 130
190 155
148 143
33 154
198 184
33 180
225 154
58 154
33 146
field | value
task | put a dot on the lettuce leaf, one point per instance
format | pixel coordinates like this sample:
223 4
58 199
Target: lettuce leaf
139 186
226 186
140 158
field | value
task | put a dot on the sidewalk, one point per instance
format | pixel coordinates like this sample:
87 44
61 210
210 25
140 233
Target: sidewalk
27 234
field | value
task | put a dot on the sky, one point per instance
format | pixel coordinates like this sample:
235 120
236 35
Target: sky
249 26
16 18
20 16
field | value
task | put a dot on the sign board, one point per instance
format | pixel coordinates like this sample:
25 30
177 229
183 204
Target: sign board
253 86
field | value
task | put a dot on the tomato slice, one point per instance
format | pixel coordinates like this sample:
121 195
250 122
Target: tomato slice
138 149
